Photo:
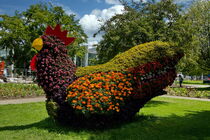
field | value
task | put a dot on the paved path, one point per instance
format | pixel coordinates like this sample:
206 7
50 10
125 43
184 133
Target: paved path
196 86
42 99
23 100
191 86
188 98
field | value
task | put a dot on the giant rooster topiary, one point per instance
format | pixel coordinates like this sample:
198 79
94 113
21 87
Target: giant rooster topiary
104 93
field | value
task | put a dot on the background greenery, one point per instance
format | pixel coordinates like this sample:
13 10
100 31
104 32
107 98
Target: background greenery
160 20
18 32
162 118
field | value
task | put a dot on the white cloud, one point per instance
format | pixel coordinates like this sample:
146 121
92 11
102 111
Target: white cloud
112 1
67 10
92 22
140 0
182 0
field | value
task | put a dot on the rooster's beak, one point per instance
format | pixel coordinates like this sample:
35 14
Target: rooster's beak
38 44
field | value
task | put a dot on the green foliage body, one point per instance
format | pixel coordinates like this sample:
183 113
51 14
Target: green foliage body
134 57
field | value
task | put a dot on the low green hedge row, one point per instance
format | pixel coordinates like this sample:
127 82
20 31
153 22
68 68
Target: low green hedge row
13 90
134 57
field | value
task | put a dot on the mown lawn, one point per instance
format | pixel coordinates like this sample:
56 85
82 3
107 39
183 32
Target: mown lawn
162 118
196 82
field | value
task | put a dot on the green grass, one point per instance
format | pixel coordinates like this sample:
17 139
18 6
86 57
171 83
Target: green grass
162 118
196 82
13 90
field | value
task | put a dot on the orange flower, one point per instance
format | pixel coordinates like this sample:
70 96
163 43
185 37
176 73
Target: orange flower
74 101
97 105
69 96
78 107
116 97
90 106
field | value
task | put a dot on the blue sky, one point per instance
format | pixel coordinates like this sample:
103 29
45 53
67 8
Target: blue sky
80 7
88 12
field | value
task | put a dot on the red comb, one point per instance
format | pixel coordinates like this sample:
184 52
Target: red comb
60 34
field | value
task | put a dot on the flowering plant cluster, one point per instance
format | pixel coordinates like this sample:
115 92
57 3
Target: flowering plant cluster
55 70
152 77
100 92
147 83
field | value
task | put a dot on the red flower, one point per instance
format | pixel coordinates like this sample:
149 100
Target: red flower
33 63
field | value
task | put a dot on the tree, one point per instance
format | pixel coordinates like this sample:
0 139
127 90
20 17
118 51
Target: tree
18 31
149 21
141 22
199 18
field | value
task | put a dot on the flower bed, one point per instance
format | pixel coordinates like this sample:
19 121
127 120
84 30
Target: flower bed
12 90
189 92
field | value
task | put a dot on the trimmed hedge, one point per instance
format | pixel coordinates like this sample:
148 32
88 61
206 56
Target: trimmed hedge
134 57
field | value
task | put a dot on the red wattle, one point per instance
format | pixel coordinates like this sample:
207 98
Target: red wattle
33 63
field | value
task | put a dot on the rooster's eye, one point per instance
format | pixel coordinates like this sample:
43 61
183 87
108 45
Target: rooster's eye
38 44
